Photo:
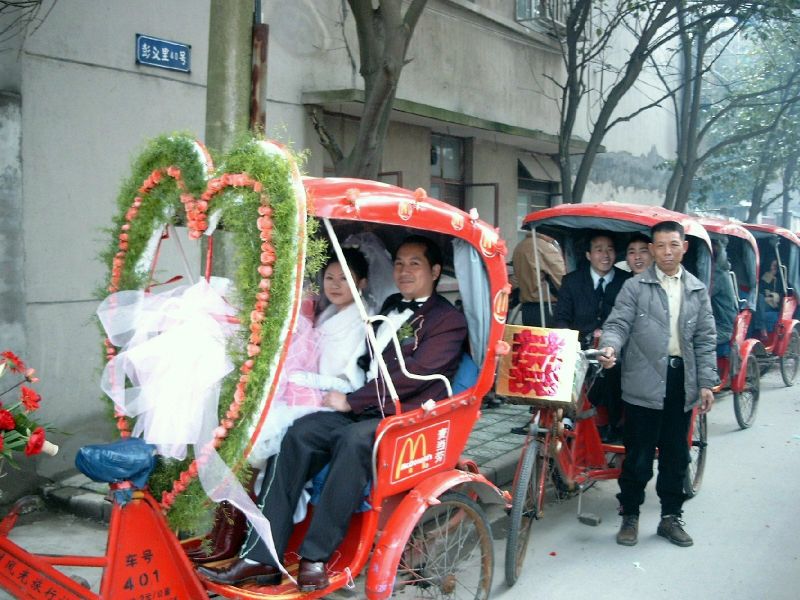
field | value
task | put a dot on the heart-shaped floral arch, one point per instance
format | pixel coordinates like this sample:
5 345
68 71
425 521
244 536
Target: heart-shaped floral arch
259 198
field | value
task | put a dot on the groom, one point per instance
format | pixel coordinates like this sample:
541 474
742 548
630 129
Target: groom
345 436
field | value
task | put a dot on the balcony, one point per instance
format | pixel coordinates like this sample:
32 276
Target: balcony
551 14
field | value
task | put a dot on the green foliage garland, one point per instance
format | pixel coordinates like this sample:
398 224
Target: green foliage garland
239 213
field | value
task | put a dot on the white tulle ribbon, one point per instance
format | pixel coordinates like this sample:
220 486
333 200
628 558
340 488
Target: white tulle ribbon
174 357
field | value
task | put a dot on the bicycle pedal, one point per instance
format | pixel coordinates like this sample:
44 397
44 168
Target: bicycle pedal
590 519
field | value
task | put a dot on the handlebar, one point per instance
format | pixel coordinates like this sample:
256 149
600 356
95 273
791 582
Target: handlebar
592 353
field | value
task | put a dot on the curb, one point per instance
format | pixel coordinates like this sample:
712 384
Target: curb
490 445
79 495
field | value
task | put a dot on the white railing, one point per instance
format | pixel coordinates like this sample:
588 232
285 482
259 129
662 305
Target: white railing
544 12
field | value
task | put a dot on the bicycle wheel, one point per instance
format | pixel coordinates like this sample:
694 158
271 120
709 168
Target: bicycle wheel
697 457
524 506
790 359
449 553
745 402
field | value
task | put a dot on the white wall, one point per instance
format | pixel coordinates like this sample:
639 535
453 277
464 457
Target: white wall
87 110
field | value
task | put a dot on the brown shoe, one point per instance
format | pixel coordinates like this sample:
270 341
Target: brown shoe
239 572
628 533
671 527
312 576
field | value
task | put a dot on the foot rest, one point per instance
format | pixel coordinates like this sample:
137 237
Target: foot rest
129 459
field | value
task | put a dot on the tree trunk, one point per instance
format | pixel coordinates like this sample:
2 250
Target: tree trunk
229 70
573 91
788 184
383 37
634 67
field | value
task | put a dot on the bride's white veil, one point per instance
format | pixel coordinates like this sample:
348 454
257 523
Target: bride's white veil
380 282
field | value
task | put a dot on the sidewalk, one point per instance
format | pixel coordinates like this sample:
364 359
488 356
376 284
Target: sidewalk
491 445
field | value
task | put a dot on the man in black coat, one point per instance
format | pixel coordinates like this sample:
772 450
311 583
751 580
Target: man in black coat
432 335
585 300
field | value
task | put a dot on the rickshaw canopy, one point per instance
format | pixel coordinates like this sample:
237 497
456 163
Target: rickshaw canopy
744 256
785 239
617 217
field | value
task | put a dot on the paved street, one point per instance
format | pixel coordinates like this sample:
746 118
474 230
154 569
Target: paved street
744 522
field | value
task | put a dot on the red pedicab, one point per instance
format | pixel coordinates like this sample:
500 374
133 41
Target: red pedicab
782 341
574 456
739 371
425 535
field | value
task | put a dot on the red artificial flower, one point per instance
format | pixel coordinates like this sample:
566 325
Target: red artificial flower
30 399
7 420
13 361
35 442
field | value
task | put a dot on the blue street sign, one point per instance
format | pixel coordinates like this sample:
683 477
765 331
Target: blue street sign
165 54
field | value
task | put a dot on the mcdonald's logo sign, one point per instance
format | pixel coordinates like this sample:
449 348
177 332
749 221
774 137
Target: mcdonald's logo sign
420 450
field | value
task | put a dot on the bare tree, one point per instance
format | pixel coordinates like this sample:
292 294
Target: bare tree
704 103
384 33
590 31
20 18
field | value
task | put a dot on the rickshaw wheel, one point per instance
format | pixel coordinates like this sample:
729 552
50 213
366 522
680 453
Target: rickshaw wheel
745 403
790 359
524 507
697 457
449 553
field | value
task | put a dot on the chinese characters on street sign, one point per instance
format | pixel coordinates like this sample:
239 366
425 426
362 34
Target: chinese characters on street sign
164 54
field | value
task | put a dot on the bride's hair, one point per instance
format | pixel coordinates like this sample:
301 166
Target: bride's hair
355 260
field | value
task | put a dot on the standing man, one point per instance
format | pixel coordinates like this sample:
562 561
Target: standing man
535 287
585 300
662 321
344 437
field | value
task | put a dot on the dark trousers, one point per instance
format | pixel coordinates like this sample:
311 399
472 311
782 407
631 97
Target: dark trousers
532 316
668 430
341 439
607 391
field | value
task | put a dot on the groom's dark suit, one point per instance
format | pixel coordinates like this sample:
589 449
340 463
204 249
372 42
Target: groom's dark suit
580 308
345 439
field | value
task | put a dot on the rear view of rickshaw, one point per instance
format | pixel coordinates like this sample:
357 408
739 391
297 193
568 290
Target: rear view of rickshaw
571 453
734 290
424 533
775 321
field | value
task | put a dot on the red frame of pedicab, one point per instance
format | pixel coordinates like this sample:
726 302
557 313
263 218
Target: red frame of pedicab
586 458
396 512
739 340
778 339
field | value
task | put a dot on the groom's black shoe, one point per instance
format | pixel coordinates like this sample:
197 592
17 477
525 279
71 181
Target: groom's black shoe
239 572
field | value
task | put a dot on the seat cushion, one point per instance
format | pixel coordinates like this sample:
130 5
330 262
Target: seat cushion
128 459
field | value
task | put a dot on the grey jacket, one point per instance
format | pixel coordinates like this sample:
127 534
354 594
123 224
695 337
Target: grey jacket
639 326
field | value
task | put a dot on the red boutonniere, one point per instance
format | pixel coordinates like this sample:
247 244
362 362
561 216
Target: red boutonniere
410 331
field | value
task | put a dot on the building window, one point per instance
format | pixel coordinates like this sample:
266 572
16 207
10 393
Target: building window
447 169
532 194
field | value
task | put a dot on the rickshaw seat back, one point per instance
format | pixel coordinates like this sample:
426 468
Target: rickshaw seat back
464 379
127 459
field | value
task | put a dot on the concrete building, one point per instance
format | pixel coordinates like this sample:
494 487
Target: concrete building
475 123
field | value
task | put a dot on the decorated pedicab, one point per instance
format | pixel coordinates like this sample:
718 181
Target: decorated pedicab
775 322
737 361
563 445
422 532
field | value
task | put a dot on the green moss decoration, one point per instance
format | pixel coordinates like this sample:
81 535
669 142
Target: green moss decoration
177 158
